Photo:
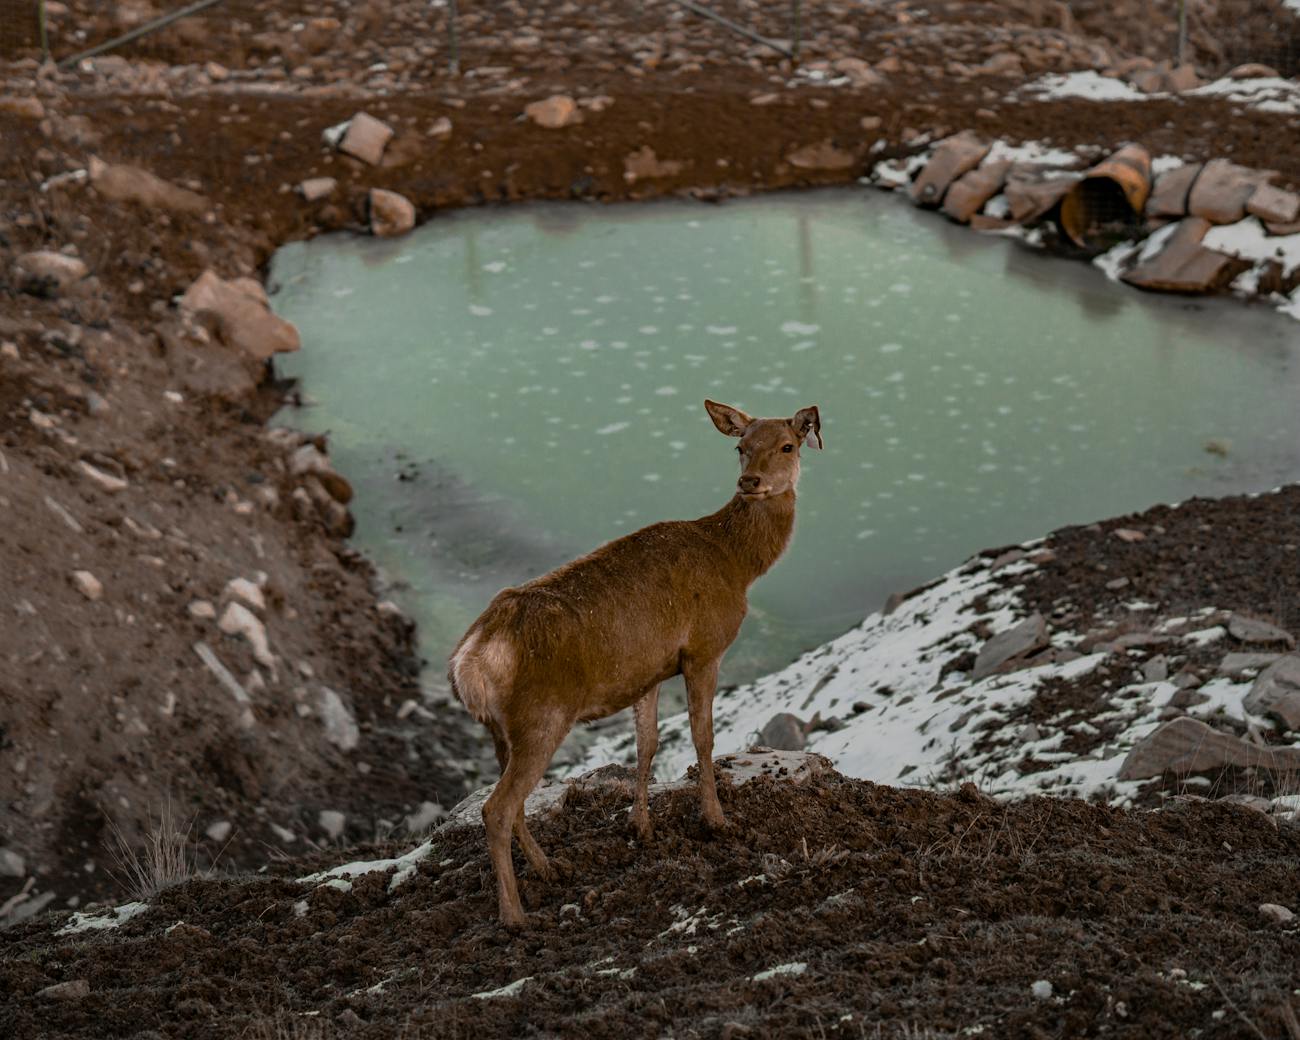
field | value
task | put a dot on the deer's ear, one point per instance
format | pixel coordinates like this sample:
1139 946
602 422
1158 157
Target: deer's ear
807 423
730 421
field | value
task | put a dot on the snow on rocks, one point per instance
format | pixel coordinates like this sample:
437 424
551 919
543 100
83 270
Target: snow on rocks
403 867
100 920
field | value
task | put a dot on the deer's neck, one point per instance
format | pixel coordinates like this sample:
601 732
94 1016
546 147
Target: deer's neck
756 533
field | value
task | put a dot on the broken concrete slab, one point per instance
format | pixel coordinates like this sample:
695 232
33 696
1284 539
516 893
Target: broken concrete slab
967 195
1277 692
1222 191
1186 745
952 157
1274 205
366 138
1031 198
1006 646
1169 195
1184 265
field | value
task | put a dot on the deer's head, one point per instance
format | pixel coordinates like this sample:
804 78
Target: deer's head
768 448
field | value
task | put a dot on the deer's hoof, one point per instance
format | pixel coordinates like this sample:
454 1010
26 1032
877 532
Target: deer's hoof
514 920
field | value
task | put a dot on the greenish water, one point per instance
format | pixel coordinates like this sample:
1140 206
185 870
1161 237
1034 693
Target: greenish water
510 388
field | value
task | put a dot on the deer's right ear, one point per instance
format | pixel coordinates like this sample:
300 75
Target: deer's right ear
730 421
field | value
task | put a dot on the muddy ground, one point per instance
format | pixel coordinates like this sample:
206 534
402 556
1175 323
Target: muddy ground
884 912
106 708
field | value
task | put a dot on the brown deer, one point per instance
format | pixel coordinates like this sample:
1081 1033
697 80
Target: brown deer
601 633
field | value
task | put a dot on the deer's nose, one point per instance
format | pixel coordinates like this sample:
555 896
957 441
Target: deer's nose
748 483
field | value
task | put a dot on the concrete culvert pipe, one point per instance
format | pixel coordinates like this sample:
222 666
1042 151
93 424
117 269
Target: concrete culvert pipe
1111 195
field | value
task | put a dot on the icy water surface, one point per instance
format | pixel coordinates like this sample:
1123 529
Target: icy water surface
510 388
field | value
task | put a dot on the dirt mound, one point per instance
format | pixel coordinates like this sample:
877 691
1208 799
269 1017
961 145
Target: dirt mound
833 908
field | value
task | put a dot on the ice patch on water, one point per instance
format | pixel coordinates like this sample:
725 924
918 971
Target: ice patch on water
666 391
804 344
720 330
613 427
648 330
479 311
890 348
495 267
798 328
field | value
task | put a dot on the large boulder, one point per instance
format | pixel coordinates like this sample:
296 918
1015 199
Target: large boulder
1186 745
244 320
1009 645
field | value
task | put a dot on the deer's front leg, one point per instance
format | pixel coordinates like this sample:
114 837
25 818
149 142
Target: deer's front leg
646 711
701 682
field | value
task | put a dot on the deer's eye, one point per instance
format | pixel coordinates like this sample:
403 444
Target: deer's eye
787 448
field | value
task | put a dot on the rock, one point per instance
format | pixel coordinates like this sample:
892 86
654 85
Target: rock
238 620
428 814
952 157
1222 191
645 165
132 184
820 156
760 100
88 585
1276 913
245 322
47 273
1186 745
1273 204
1156 669
218 831
1169 195
202 609
76 989
1042 990
11 864
1183 78
106 481
391 214
308 459
440 127
1005 64
331 821
243 589
1249 801
217 72
1253 70
1128 534
365 138
860 72
316 188
1252 630
783 732
1235 664
1149 81
966 196
341 728
1277 692
1183 265
25 107
1024 638
554 113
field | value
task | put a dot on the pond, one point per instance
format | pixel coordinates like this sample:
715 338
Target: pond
509 388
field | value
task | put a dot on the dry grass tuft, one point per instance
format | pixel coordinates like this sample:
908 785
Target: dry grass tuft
164 860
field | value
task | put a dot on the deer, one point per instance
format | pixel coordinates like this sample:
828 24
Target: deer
601 633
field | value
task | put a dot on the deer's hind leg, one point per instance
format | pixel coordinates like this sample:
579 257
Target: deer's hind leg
532 851
646 711
532 742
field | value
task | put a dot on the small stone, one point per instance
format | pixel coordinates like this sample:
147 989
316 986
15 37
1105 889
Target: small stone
554 113
1252 630
88 585
47 273
820 156
1273 205
1253 70
77 989
783 732
249 592
331 821
870 122
366 138
1183 78
245 321
107 481
11 864
1116 584
1276 913
391 214
239 620
313 189
132 184
1128 534
25 107
340 726
1156 669
645 165
218 831
441 127
1042 990
762 100
217 72
202 609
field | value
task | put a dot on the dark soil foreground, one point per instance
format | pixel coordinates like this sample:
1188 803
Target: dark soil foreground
916 914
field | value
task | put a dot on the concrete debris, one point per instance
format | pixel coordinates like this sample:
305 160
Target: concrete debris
1183 265
967 195
1222 191
245 321
1013 643
953 157
1169 195
1034 194
1273 204
365 138
391 214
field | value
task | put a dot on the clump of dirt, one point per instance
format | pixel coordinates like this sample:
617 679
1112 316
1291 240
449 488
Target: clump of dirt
836 907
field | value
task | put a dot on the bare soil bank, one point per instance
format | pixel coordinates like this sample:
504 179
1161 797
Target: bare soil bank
106 705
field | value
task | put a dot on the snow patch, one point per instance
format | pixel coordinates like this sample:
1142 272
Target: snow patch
510 990
1250 240
99 920
404 866
793 968
1089 85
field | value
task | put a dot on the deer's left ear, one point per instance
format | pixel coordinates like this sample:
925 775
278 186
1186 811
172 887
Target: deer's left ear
807 423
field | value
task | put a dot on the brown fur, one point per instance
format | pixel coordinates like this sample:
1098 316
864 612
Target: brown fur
600 634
